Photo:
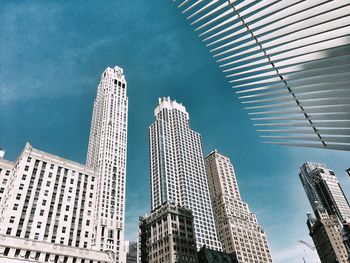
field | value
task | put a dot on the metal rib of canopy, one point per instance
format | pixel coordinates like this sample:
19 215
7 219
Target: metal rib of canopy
289 61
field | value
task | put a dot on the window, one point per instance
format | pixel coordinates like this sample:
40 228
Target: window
8 232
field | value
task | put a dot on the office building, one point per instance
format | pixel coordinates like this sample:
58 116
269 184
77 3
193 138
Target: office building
178 171
326 232
322 187
131 251
206 255
238 228
167 235
288 62
46 211
107 156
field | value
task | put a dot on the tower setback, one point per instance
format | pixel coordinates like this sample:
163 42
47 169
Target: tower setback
238 228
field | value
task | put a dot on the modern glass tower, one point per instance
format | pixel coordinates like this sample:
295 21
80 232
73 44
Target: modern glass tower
178 170
322 187
238 228
107 155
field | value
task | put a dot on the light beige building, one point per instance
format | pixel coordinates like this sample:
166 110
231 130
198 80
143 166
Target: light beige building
46 211
167 236
238 229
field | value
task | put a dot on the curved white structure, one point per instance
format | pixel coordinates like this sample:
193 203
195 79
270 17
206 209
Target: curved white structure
288 60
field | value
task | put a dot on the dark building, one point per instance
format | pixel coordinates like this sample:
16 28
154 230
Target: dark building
326 232
131 253
167 235
206 255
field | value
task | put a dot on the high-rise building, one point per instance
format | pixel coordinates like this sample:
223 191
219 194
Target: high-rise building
238 229
322 187
178 171
167 235
348 171
47 210
326 232
107 156
131 249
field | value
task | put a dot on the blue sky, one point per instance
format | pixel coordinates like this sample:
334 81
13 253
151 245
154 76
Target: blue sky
52 54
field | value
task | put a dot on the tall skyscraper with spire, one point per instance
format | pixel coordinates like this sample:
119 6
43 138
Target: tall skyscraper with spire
238 228
178 170
107 155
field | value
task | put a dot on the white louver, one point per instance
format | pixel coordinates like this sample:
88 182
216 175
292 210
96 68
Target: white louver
288 60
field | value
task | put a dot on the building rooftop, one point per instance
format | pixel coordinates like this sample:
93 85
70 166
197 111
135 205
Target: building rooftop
167 103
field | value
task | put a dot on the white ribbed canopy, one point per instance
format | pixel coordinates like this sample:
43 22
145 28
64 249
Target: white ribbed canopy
289 61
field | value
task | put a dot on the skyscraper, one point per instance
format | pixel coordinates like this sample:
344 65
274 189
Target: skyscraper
177 169
326 232
107 155
322 187
239 231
